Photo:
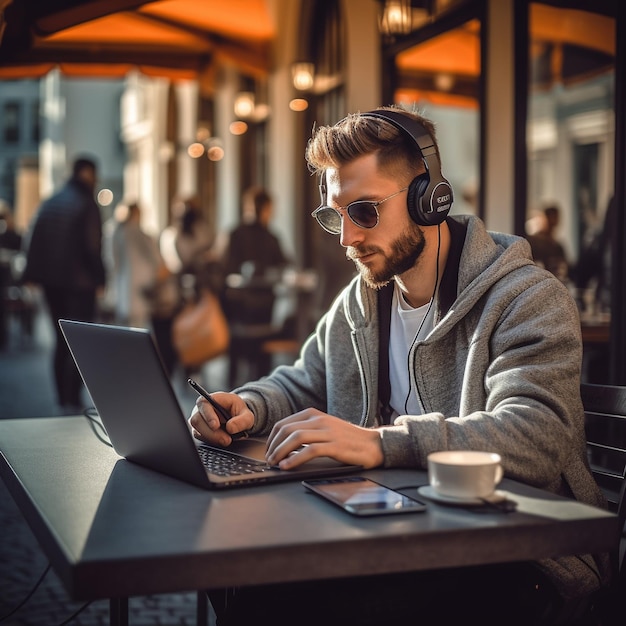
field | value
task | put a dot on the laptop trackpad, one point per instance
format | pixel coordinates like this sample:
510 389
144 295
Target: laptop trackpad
251 448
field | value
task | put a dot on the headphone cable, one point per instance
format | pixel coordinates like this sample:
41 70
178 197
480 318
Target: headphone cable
75 613
419 330
28 596
92 419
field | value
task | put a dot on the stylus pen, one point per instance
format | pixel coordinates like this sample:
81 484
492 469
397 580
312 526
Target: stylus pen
221 411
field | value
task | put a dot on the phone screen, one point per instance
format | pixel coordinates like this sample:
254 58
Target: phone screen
362 496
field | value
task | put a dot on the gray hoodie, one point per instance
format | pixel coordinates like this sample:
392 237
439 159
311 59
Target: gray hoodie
499 371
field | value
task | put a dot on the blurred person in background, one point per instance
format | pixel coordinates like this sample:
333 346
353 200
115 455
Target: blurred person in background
253 261
252 248
64 257
186 245
133 265
547 249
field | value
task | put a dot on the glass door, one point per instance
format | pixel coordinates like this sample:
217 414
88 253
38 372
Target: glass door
570 142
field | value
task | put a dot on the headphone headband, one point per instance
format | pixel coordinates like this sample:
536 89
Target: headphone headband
430 195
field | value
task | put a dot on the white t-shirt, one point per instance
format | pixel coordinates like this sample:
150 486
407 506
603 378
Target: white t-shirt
408 325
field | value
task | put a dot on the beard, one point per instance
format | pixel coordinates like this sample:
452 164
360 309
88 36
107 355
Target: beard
405 251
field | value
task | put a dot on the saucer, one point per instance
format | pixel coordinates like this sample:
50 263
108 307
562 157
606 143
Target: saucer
428 492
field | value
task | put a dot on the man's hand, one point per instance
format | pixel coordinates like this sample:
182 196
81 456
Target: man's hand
311 433
206 424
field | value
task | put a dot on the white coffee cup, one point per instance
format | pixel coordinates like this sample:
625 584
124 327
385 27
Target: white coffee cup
464 473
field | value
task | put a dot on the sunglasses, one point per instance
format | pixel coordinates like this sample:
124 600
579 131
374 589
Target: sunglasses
363 213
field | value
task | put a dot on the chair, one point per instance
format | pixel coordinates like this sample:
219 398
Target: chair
249 310
605 427
17 301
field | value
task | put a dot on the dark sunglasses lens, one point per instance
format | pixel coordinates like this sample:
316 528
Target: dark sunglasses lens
329 219
363 214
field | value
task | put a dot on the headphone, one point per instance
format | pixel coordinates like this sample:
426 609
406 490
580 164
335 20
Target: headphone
430 194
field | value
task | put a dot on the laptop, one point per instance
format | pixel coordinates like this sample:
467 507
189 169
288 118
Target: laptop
132 393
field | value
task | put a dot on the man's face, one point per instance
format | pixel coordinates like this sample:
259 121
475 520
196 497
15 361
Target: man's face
88 176
396 243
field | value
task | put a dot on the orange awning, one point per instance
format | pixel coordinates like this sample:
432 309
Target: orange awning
172 38
456 51
443 70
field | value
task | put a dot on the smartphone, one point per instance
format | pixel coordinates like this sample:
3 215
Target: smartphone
363 497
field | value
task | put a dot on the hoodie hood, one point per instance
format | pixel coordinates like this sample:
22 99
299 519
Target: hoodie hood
479 259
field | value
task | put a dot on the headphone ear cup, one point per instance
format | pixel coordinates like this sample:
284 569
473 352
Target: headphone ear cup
417 188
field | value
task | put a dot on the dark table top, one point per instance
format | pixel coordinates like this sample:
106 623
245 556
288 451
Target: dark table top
114 529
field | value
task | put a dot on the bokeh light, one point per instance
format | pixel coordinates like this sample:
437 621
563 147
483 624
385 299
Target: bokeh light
195 150
238 127
105 197
215 153
299 104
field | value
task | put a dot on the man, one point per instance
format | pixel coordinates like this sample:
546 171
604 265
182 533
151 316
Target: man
473 357
255 252
65 258
133 264
252 241
546 249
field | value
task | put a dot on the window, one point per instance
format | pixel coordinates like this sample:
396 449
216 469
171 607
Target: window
570 140
11 122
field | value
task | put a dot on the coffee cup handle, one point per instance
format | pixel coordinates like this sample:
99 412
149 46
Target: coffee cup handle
499 474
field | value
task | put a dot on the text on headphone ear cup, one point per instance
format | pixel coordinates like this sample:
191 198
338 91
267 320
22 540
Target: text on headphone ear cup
417 188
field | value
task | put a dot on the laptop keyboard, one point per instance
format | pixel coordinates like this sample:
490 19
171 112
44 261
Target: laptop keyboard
226 464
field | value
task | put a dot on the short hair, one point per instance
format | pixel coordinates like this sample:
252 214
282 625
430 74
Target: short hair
551 211
189 214
257 197
357 135
83 163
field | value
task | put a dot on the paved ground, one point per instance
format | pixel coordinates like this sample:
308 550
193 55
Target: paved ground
26 391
